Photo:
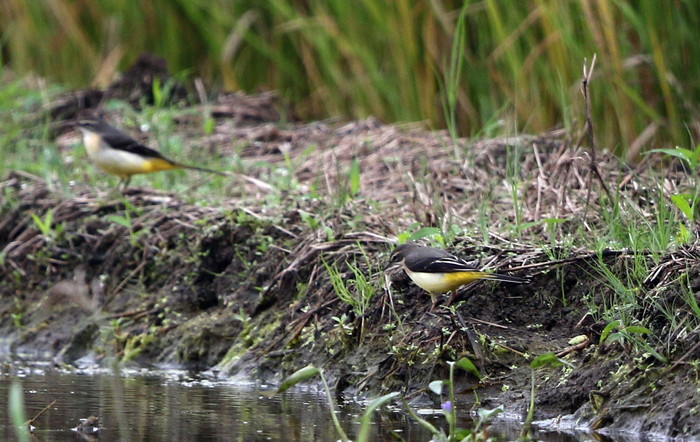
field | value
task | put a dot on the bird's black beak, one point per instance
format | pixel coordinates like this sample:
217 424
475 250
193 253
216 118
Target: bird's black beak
393 261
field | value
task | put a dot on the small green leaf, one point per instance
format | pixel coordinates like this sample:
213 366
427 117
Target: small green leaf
157 92
423 232
638 329
39 223
689 298
683 233
44 225
547 359
378 402
468 366
656 354
578 340
354 177
548 221
208 125
681 201
462 434
48 218
436 386
122 221
366 421
485 414
686 155
552 221
613 337
525 226
298 376
608 328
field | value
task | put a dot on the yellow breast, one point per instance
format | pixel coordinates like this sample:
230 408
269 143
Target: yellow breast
120 162
444 282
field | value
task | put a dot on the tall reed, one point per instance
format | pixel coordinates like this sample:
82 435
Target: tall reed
521 61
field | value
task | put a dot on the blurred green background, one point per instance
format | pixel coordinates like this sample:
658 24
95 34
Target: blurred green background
479 68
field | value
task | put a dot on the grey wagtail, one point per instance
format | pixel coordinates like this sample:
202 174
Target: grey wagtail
437 271
117 153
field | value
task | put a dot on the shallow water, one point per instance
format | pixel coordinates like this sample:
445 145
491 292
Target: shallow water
171 406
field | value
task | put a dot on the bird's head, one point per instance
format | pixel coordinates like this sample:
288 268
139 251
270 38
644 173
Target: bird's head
92 124
399 253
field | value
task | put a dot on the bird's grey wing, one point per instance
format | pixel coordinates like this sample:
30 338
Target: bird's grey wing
122 141
448 264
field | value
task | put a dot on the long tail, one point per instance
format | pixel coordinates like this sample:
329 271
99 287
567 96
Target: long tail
201 169
506 278
261 184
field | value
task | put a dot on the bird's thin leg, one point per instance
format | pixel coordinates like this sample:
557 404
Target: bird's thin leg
436 301
453 295
125 183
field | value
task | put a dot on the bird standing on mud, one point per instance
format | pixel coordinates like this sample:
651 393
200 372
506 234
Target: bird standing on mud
117 153
437 271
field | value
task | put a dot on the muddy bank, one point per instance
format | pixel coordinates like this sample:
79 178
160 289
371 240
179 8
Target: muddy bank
242 287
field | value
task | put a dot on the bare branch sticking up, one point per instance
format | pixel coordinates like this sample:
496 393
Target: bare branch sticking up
587 74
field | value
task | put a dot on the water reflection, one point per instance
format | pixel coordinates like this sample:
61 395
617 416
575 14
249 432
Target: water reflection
155 408
170 406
